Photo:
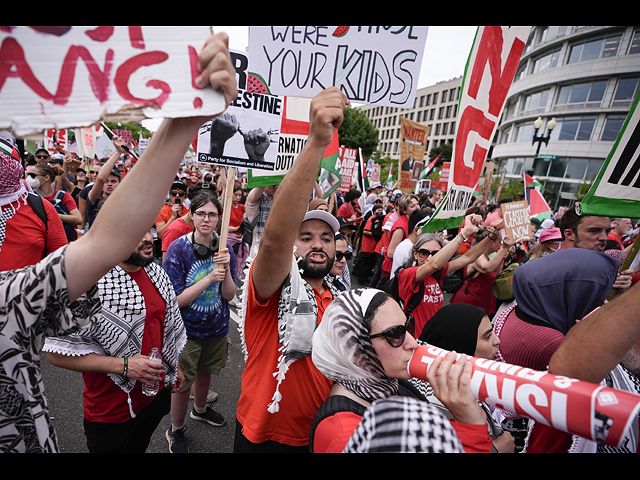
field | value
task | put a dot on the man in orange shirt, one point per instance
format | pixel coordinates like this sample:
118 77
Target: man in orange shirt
285 296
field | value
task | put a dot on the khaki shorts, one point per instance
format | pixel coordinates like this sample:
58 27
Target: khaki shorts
210 357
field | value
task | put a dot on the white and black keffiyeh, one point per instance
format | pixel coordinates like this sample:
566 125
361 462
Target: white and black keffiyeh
342 349
403 425
120 329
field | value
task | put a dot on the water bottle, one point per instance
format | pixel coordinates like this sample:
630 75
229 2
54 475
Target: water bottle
152 388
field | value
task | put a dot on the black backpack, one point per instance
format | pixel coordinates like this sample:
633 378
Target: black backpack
452 282
376 227
391 287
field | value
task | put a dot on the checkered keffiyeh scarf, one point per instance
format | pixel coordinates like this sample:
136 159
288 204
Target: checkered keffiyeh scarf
404 425
12 188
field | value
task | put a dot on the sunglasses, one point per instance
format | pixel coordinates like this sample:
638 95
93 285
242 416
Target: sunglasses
340 255
423 252
178 193
395 335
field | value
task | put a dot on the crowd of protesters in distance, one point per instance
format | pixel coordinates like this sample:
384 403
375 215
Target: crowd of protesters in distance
105 260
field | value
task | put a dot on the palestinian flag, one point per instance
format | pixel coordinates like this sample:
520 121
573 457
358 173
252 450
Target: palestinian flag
330 178
9 150
530 182
538 206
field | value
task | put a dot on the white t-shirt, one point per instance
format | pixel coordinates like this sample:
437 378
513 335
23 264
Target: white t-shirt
401 254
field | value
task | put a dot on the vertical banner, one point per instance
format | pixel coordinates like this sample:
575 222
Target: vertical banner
413 143
488 180
443 182
348 165
616 190
490 70
598 413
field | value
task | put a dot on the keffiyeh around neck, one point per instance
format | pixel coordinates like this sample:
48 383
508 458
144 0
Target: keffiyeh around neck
343 352
565 286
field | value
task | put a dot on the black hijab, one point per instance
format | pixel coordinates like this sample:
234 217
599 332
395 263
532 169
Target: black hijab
455 328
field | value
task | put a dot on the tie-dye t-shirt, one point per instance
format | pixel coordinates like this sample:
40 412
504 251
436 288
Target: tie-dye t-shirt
206 318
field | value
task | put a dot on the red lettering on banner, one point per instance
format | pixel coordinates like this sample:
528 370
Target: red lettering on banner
125 71
104 33
473 120
492 42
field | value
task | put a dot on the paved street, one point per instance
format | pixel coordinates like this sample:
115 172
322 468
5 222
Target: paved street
64 393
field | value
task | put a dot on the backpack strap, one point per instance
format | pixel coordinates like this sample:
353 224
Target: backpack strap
36 203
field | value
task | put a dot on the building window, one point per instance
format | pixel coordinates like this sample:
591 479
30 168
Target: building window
576 168
580 93
627 90
635 43
546 62
548 33
594 49
574 128
536 100
612 128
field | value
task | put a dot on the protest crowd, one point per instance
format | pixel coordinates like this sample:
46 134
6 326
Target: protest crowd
334 294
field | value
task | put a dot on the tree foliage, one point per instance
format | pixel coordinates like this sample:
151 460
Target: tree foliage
357 131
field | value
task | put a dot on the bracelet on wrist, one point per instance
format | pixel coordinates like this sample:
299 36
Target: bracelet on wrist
464 237
126 366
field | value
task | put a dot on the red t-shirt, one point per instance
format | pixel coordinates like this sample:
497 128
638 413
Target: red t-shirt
236 215
432 300
165 213
174 231
303 389
27 241
104 401
368 243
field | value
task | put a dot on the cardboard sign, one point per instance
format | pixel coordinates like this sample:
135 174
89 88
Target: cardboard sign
66 77
370 64
492 66
517 221
591 411
413 143
248 133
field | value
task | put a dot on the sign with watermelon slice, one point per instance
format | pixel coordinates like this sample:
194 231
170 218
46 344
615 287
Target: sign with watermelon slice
248 133
371 64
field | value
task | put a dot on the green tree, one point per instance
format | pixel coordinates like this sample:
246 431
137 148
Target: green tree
357 131
444 151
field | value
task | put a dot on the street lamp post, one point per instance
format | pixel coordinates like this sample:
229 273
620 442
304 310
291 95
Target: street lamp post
541 139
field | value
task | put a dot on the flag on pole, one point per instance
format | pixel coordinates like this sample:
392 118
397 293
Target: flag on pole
390 177
427 171
492 65
616 190
530 182
538 206
329 178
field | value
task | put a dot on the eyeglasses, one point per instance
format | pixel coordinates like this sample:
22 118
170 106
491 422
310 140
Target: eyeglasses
340 255
425 253
177 193
395 335
202 215
42 156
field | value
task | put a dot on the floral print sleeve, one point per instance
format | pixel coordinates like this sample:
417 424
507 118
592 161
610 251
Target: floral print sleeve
33 306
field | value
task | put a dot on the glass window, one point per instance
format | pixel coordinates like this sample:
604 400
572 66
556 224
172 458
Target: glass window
570 187
542 167
568 129
593 169
563 95
585 129
576 168
594 49
635 44
612 128
579 93
597 91
552 187
558 167
627 88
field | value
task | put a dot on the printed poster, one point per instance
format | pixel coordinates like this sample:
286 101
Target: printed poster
413 144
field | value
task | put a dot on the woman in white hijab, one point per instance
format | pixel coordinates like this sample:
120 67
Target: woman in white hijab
363 346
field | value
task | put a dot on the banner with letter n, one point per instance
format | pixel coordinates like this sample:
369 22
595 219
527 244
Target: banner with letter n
489 73
616 190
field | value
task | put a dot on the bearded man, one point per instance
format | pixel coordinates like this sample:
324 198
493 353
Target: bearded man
285 295
139 312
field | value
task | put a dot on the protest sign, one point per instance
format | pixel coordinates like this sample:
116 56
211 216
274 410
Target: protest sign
246 134
413 143
348 166
490 70
67 77
370 64
443 181
591 411
517 221
616 190
56 141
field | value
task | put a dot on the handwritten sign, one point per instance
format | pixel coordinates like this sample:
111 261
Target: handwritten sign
67 77
591 411
517 221
370 64
348 165
413 144
248 133
492 65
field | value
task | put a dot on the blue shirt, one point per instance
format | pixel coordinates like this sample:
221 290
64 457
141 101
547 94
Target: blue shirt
207 318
